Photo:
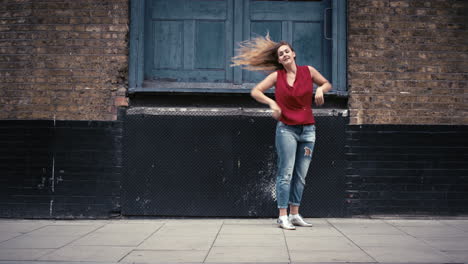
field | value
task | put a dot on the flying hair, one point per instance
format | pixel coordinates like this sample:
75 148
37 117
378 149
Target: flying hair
259 54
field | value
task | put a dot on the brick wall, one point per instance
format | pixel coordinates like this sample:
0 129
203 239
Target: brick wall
408 61
63 59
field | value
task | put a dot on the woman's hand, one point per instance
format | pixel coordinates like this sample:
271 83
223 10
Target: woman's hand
276 110
319 100
324 85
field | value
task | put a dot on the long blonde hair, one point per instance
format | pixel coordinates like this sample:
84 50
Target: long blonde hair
259 54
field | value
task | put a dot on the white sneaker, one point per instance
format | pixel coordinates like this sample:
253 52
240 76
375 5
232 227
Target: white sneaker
297 220
284 223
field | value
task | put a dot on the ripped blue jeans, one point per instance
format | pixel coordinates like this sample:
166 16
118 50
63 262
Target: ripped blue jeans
294 146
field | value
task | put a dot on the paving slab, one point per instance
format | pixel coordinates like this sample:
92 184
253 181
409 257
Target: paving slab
460 256
64 230
270 221
87 253
271 229
112 239
188 230
324 256
425 231
55 262
317 221
177 243
6 236
22 254
414 222
315 231
354 221
368 228
333 240
98 222
248 254
320 243
20 226
195 222
386 240
27 241
141 228
250 241
407 255
447 243
266 221
165 256
460 224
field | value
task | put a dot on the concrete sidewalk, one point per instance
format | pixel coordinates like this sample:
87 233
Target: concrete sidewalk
331 240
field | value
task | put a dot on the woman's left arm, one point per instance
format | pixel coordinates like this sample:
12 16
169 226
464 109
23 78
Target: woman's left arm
324 85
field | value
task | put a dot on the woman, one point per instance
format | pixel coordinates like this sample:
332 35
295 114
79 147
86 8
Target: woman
295 130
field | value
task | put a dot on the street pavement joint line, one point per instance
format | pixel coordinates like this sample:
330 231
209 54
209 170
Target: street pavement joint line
35 229
151 234
421 240
21 233
97 228
45 253
134 249
351 240
286 242
214 241
454 226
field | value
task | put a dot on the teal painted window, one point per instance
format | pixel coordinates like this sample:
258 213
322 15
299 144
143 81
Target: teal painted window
186 45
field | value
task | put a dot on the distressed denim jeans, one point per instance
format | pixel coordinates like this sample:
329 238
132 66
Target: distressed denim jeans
294 145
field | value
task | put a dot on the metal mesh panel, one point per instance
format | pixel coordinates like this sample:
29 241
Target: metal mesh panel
221 162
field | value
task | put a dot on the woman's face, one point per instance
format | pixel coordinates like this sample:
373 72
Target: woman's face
286 55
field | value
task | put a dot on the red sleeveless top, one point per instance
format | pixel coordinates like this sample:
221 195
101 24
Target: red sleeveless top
295 101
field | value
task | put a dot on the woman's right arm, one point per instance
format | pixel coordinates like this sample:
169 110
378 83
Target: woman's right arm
258 94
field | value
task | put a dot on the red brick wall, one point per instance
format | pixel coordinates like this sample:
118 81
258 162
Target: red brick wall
63 59
408 61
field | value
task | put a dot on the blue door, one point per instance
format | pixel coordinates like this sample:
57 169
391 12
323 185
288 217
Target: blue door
301 23
189 42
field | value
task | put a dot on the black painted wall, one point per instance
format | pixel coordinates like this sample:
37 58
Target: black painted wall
60 169
74 169
402 169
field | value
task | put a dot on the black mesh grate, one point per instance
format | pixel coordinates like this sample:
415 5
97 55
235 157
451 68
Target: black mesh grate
221 162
